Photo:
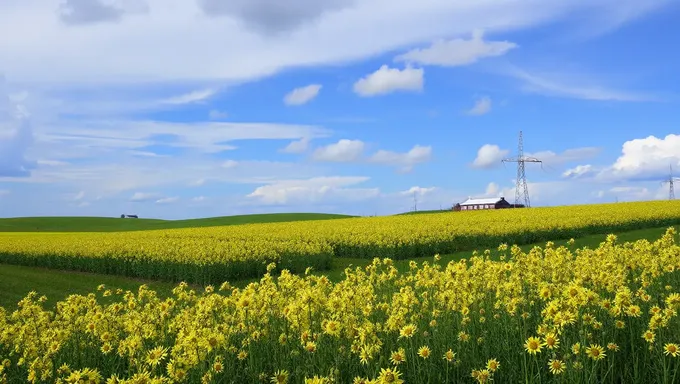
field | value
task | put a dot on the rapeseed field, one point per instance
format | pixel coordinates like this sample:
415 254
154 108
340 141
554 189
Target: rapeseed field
549 315
215 254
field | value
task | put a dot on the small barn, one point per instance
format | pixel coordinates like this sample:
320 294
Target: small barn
487 203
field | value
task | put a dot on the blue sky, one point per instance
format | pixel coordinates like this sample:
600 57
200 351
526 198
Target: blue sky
193 108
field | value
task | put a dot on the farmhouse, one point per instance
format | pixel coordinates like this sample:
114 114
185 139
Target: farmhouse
476 204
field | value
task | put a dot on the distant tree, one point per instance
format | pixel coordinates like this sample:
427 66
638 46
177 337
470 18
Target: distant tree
122 216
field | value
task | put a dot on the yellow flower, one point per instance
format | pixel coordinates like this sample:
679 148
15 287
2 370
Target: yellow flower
595 352
398 357
492 365
389 376
556 366
310 347
424 352
551 341
449 356
533 345
407 331
671 349
280 377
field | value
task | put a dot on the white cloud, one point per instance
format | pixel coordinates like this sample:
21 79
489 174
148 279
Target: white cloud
272 18
167 200
91 137
302 95
418 191
492 190
312 191
645 158
631 193
198 199
197 183
229 164
650 154
578 171
343 151
51 163
575 86
457 52
215 114
405 161
482 107
144 196
191 97
489 155
387 80
174 40
16 136
568 155
297 146
79 196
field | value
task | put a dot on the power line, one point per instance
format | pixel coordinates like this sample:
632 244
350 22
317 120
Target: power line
521 189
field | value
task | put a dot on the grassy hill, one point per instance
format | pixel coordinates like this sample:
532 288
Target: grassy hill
110 224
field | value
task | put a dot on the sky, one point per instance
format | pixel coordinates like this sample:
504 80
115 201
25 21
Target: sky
180 109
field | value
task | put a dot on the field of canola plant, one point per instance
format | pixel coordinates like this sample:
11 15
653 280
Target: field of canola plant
215 254
550 315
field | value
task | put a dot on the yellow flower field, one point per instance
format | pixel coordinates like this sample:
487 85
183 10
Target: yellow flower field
212 255
553 314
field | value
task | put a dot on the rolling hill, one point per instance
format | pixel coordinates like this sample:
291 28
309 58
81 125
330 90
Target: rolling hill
112 224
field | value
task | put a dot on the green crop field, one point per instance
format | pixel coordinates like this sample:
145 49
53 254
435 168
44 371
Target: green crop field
17 281
113 224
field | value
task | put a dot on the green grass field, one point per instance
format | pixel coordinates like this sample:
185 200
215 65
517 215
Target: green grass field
112 224
17 281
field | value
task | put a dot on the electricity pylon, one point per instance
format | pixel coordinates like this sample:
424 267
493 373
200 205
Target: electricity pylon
522 189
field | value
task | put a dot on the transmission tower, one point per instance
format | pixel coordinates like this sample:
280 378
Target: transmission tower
671 181
522 189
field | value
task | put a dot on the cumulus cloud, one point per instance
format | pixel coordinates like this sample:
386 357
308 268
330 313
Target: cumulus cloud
578 171
492 190
387 80
482 107
457 52
296 146
343 151
302 95
16 136
489 156
405 161
312 191
646 158
648 155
